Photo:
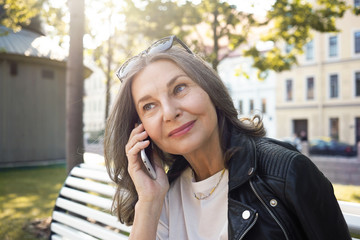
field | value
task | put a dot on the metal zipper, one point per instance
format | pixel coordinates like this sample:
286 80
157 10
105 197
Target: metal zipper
248 229
274 217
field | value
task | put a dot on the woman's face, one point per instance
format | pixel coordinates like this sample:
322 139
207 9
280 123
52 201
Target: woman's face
176 112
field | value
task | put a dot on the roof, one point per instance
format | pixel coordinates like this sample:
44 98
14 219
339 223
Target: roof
28 43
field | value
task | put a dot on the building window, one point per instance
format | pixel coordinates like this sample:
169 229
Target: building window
334 128
48 74
357 84
263 105
357 42
251 106
334 86
288 48
356 3
310 50
333 46
310 88
241 111
13 68
289 90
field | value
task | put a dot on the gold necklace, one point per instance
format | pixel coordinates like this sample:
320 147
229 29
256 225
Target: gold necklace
202 197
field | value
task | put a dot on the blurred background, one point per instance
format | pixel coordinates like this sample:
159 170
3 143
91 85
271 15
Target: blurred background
296 63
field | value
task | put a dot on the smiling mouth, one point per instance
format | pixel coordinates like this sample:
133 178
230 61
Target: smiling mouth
182 130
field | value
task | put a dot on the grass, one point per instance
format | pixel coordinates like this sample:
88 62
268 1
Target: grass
349 193
27 194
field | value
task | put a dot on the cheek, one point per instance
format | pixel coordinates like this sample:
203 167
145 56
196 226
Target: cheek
202 104
153 129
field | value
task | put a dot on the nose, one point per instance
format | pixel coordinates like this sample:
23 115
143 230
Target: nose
171 110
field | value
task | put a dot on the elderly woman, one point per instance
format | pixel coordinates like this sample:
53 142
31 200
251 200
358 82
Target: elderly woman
217 177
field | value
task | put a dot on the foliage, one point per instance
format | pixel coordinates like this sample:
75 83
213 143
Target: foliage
54 18
287 23
112 51
156 19
292 24
14 13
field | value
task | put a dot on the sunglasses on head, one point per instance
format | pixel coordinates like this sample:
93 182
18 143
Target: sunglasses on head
159 46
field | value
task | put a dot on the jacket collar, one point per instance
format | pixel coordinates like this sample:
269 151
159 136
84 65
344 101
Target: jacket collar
242 164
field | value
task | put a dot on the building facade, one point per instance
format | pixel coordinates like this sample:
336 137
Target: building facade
250 94
321 96
32 99
94 101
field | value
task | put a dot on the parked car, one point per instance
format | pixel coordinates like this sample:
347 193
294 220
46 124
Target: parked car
295 141
328 146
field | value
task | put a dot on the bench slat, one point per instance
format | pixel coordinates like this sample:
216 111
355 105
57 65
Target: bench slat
350 207
92 166
81 213
56 237
66 232
353 222
90 186
87 227
86 198
91 173
97 215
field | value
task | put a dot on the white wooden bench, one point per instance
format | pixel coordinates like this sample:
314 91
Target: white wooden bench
82 207
351 212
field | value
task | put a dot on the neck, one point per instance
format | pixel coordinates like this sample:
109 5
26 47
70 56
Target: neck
206 161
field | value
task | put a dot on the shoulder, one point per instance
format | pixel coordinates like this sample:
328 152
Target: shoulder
274 157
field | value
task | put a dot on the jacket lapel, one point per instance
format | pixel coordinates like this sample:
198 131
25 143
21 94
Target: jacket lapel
242 164
242 167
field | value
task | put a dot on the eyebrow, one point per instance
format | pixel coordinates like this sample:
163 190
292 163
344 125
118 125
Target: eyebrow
171 82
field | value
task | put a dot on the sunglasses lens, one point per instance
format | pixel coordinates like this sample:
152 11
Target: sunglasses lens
125 68
160 46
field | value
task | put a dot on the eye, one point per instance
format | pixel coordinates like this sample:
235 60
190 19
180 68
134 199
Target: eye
179 88
148 107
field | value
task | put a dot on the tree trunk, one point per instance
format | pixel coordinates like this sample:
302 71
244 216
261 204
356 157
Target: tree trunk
75 86
215 61
108 78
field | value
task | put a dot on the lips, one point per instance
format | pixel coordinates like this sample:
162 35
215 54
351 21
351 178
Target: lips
182 130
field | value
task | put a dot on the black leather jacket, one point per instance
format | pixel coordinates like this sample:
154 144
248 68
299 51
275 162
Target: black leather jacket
276 193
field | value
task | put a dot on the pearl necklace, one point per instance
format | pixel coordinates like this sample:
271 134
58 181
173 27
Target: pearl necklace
202 196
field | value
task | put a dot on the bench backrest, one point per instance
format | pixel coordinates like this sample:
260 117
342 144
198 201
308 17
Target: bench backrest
82 209
351 212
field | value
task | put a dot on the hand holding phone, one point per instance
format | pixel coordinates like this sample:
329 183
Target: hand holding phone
147 164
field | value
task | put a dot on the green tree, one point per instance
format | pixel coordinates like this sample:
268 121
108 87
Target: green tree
109 53
14 13
288 23
292 25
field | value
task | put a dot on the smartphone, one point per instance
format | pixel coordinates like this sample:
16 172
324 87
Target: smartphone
147 163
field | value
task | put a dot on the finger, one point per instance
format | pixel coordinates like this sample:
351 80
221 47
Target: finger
134 162
137 129
135 139
133 152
